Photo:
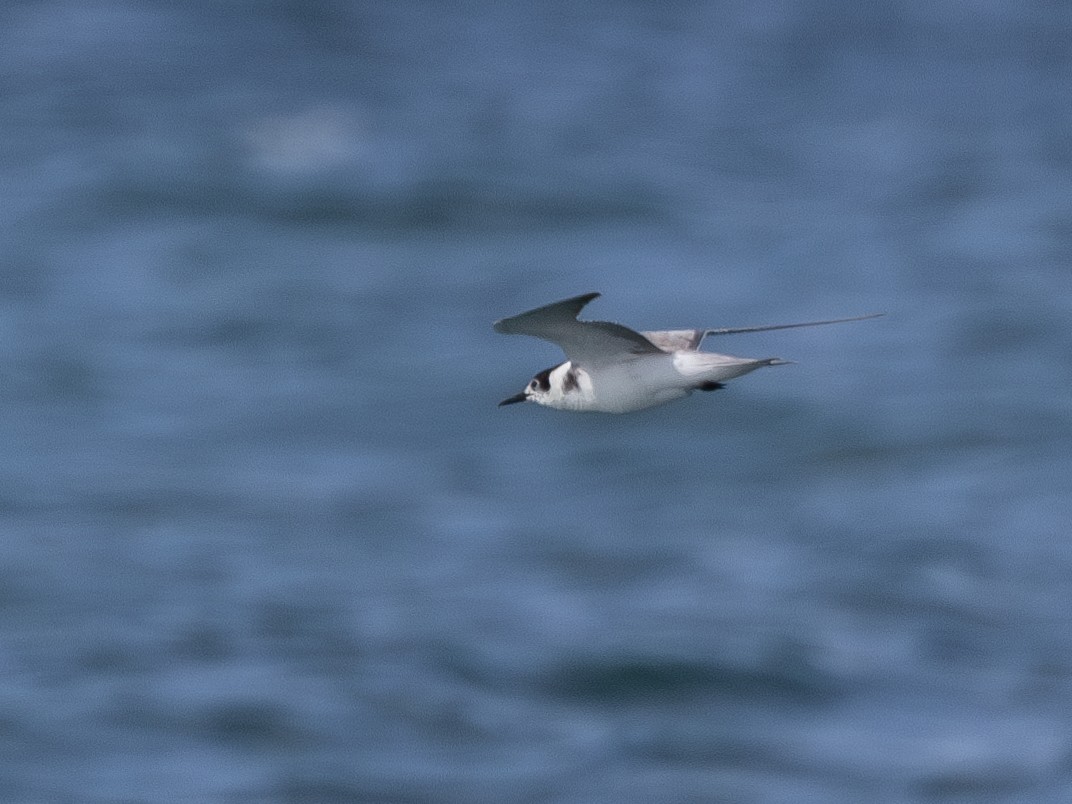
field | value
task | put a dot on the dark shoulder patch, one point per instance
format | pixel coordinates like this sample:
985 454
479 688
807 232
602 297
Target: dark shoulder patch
709 386
570 382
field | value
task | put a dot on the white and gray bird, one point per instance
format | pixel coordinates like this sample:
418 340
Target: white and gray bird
613 369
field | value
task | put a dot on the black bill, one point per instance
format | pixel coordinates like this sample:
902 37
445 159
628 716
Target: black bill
514 399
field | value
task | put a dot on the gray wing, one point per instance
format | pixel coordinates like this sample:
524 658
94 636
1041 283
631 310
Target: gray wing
586 343
677 340
689 340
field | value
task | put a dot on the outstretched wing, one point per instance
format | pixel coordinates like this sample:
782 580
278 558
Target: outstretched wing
677 340
586 343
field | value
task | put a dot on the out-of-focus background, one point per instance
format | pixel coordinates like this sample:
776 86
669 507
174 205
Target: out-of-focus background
264 535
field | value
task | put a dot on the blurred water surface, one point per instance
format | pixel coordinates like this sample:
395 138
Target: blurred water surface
266 536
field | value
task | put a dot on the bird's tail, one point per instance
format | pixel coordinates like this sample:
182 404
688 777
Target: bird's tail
711 366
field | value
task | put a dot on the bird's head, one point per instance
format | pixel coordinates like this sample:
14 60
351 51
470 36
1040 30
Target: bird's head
538 390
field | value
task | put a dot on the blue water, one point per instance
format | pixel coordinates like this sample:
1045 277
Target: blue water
266 536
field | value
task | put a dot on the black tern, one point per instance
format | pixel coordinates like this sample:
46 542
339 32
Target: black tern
613 369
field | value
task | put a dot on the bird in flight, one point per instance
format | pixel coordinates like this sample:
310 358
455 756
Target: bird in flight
613 369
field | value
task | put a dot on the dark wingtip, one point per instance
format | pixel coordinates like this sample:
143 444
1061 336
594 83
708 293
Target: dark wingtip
508 325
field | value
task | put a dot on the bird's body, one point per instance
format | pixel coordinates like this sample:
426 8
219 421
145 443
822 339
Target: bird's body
642 382
613 369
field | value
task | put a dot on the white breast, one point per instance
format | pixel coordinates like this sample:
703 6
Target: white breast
635 384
